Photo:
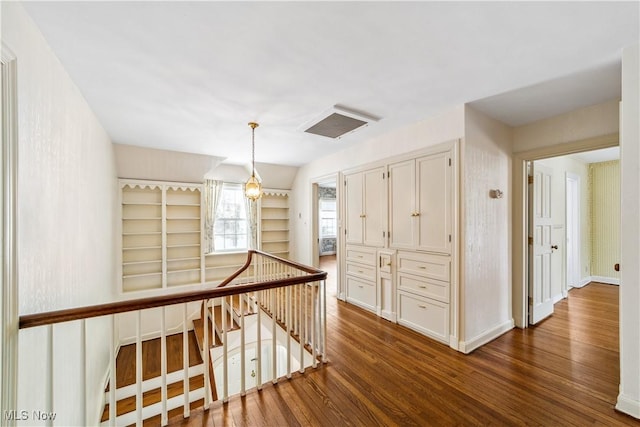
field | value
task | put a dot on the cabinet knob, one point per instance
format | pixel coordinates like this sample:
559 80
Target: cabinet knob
363 216
415 214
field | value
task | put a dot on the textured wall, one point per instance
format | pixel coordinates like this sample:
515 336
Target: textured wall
604 181
486 224
66 205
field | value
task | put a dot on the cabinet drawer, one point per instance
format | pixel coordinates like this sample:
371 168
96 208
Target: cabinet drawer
361 293
427 316
427 265
361 271
430 288
361 254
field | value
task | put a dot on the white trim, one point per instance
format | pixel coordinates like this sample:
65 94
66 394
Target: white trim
583 282
628 406
9 319
558 297
155 334
468 346
156 382
607 280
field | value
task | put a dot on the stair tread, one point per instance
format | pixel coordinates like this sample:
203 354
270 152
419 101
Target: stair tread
198 326
232 325
128 404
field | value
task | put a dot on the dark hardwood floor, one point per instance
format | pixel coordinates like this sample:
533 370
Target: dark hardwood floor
559 373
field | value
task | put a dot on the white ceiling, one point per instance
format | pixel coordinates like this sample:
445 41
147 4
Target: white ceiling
597 156
189 76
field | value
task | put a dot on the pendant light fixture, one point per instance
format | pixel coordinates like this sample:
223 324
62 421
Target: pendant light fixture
253 188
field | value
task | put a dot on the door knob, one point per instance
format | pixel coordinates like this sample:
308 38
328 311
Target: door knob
554 246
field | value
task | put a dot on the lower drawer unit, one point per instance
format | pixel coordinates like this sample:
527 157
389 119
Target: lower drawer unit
429 288
361 292
362 271
424 315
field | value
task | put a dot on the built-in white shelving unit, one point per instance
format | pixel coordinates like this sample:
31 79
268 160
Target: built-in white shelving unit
274 223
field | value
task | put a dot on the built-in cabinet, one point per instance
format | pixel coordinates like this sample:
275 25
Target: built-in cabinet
162 235
274 223
405 274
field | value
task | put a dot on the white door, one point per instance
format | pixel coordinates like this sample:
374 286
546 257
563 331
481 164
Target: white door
402 221
540 227
433 213
353 208
375 206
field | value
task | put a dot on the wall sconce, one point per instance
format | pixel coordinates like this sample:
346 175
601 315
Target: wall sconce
495 194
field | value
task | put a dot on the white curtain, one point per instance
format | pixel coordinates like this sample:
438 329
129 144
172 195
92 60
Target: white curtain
212 191
252 221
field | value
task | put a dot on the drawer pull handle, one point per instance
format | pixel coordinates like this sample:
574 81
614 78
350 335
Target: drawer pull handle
422 306
422 267
422 287
360 286
359 256
360 271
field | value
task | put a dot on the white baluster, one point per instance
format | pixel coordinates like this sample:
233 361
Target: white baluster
138 369
112 373
185 363
83 369
301 326
242 348
274 342
49 380
324 321
314 339
163 367
288 325
207 383
225 356
258 355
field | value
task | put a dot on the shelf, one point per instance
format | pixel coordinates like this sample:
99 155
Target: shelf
182 271
275 229
142 219
183 232
194 245
219 267
143 233
141 248
141 262
142 275
183 217
183 204
275 241
142 203
184 259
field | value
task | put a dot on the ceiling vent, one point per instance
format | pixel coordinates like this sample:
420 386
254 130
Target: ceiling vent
337 122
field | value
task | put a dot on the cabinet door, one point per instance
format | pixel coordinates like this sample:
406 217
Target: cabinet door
354 208
375 207
402 193
434 203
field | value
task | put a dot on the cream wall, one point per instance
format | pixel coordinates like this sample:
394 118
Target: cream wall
604 181
486 229
629 397
588 122
66 216
560 166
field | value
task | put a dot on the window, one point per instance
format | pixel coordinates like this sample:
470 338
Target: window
231 228
327 218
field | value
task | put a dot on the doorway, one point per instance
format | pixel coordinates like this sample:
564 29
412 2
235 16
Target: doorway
325 224
573 217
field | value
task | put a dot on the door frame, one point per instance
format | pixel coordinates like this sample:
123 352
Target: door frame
315 234
520 269
575 225
8 234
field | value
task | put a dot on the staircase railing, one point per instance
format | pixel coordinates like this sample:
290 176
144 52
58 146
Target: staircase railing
283 301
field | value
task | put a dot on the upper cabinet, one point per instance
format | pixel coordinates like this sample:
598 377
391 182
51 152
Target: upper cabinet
421 203
366 207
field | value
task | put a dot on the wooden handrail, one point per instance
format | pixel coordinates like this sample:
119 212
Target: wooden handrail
51 317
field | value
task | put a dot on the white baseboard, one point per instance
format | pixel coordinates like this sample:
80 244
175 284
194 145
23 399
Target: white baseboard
628 406
607 280
468 346
558 297
388 315
583 282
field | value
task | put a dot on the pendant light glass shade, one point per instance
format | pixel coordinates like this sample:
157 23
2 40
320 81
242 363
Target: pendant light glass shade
253 188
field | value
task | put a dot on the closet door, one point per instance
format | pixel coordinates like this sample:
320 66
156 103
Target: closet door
354 208
434 203
402 221
375 207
